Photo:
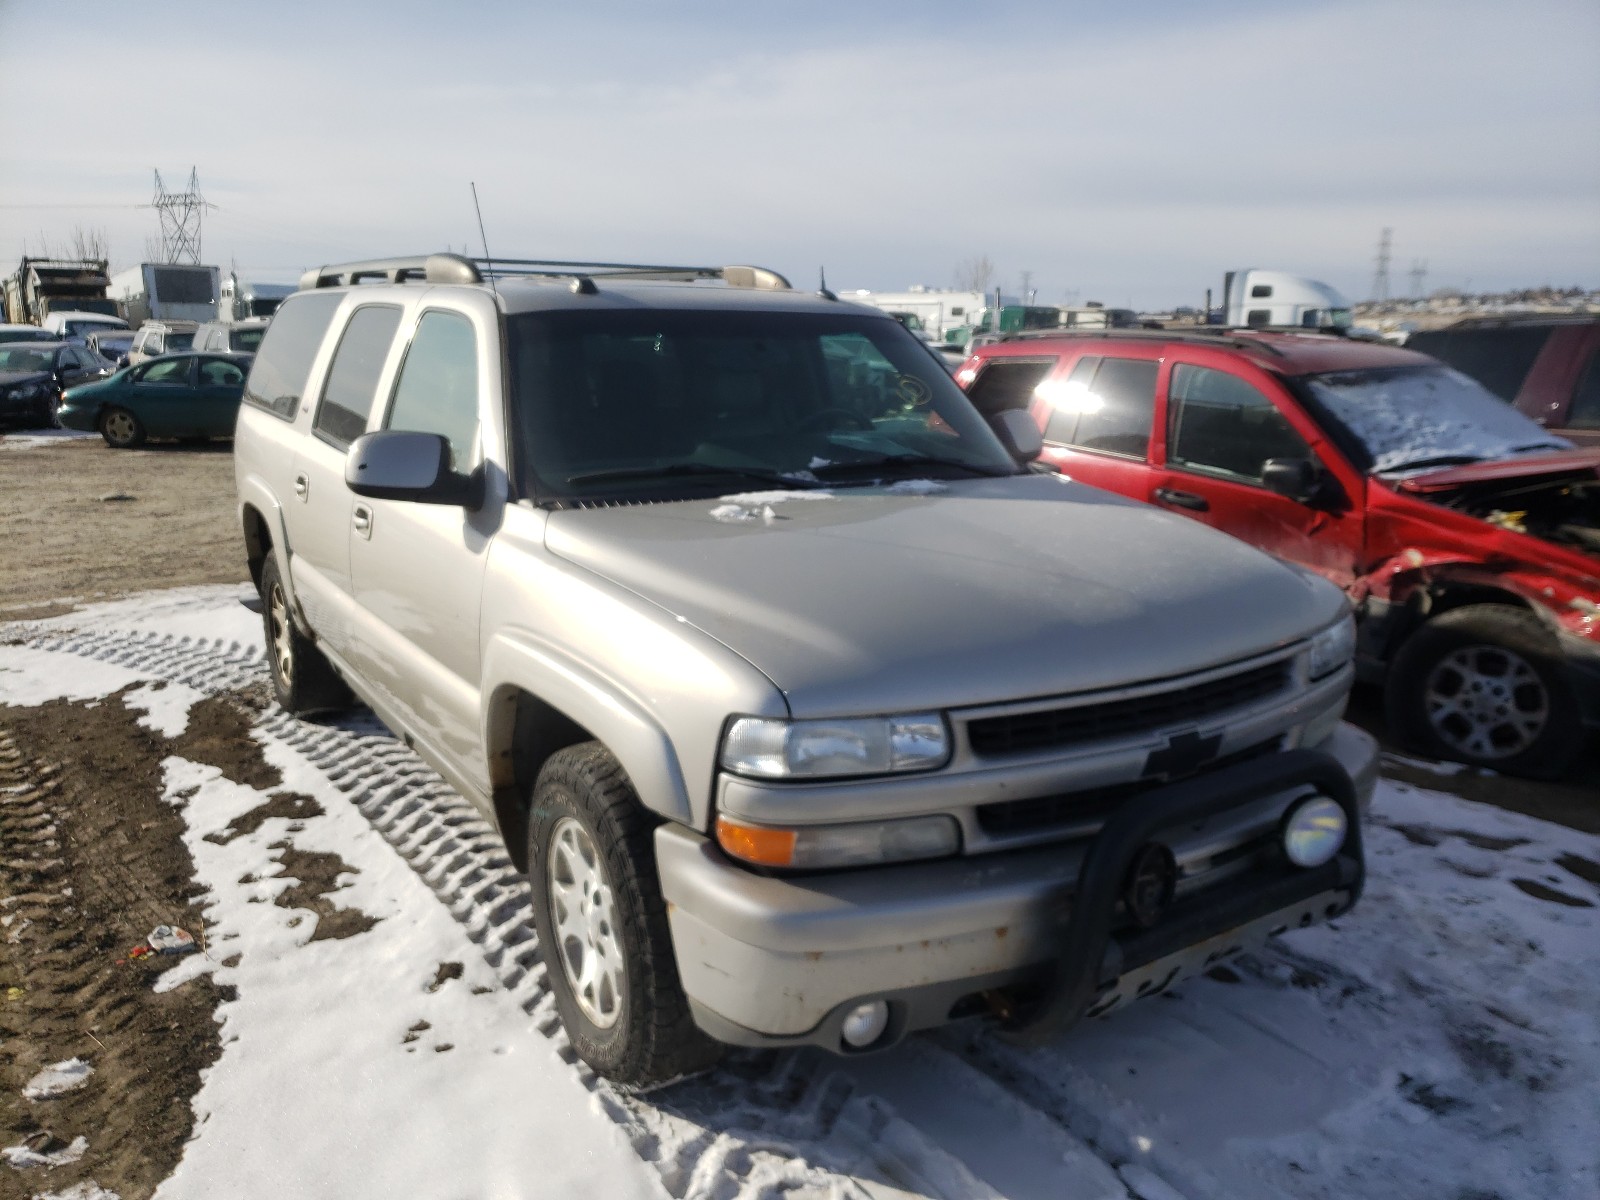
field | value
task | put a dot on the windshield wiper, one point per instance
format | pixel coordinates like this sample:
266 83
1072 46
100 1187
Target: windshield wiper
675 470
899 460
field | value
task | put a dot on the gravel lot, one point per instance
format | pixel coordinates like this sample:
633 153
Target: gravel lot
80 521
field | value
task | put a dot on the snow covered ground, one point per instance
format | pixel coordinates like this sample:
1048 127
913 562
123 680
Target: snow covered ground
1441 1041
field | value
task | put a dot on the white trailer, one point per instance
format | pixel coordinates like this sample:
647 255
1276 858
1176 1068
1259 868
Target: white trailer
167 292
1262 298
937 311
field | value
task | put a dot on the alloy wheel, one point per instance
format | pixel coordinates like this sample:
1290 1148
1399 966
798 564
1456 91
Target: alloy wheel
282 643
120 427
1486 701
584 912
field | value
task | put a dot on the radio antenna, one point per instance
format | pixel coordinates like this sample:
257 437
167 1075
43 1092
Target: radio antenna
488 262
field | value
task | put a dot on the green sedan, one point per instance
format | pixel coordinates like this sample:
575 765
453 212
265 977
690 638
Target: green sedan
177 395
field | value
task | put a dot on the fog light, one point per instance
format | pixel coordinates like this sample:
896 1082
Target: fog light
865 1023
1314 831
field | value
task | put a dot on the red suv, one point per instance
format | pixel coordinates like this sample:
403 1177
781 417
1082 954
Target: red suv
1466 536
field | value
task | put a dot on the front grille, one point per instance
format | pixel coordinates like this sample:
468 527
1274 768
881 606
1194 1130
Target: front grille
1011 817
1017 733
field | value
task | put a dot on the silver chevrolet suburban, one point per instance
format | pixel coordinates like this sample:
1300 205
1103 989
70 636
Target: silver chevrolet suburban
816 714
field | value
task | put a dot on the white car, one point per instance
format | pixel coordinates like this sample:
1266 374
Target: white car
75 325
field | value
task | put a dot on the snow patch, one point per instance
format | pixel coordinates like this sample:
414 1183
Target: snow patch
917 487
57 1078
22 1158
88 1190
165 707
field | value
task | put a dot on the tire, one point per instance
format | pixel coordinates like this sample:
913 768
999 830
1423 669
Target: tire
597 901
302 678
1485 685
121 429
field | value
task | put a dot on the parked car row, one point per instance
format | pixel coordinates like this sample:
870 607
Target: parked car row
1466 536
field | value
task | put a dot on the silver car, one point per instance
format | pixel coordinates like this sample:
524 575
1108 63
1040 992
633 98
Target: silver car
815 714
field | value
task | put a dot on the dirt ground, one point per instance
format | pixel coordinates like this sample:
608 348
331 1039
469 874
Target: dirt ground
81 521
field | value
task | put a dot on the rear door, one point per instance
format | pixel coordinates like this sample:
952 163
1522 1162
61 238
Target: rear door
1097 412
320 507
218 387
1224 421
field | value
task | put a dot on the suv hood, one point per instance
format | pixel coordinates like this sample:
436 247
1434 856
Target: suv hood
1530 466
869 600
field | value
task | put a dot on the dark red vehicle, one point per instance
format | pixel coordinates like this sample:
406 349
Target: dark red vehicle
1548 367
1466 536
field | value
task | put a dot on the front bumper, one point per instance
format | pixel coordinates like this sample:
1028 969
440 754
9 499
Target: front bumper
781 961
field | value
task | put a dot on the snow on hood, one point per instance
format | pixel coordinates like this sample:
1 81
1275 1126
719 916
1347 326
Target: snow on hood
992 590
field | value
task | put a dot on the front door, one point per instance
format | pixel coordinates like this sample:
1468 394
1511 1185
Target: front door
417 569
1221 430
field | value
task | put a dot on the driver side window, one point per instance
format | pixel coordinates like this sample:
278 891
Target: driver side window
1220 425
437 391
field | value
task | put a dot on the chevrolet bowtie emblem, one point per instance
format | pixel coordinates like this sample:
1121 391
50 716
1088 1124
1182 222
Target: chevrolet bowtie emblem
1183 754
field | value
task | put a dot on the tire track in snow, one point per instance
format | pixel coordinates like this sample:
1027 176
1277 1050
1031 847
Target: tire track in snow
785 1124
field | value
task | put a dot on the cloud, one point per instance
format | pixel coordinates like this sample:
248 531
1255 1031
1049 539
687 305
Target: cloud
1138 158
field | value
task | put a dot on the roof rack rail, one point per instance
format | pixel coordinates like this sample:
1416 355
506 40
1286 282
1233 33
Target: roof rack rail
454 268
1199 334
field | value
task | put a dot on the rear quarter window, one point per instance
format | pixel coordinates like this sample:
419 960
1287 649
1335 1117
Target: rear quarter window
283 362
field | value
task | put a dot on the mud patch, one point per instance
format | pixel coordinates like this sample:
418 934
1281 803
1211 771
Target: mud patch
1585 869
447 971
1423 835
1540 891
219 735
1425 1095
317 877
93 860
296 806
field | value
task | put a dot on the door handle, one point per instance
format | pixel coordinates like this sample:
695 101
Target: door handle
1183 500
362 520
302 484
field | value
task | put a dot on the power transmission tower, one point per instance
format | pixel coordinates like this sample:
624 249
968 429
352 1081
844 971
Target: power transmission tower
1380 278
180 219
1418 272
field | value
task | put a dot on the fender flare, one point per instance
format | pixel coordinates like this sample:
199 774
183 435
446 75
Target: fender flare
518 663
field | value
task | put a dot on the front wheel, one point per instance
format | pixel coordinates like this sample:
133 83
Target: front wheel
121 429
602 923
302 678
1484 685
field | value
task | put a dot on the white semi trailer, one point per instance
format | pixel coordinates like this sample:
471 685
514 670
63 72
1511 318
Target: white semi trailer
167 292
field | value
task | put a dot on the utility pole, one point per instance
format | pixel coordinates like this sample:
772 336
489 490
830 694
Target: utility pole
1380 278
1418 272
180 219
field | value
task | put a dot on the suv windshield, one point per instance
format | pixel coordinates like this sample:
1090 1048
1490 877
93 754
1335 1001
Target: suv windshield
617 402
178 341
246 341
1398 418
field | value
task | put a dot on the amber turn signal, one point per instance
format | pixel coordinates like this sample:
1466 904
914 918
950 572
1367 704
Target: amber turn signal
767 847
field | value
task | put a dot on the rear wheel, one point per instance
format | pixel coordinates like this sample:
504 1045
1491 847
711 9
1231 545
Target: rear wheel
302 678
121 429
602 923
1484 685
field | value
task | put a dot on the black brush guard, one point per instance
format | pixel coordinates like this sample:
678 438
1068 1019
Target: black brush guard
1092 957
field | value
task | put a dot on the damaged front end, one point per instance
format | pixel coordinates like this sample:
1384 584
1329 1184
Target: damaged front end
1562 509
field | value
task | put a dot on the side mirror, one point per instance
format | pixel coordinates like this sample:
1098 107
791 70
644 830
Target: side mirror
1018 434
396 464
1297 479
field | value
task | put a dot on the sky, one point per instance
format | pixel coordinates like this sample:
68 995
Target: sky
1130 154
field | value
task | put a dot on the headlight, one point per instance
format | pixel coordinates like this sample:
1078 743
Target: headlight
1333 647
831 846
774 749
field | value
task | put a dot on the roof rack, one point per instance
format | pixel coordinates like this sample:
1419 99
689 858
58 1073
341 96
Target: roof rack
454 268
1199 334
